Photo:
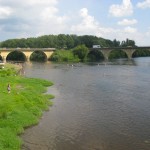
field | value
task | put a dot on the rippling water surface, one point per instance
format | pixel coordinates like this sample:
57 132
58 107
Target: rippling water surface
96 107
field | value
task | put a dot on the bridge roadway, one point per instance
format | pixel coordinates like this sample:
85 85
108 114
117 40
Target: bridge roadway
4 52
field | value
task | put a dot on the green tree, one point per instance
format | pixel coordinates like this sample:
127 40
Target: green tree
81 51
61 39
116 43
89 40
75 39
69 42
128 43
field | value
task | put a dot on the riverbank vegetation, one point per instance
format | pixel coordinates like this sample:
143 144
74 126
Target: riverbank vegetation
64 56
78 54
20 108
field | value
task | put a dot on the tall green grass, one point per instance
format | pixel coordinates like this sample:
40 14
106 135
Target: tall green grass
20 108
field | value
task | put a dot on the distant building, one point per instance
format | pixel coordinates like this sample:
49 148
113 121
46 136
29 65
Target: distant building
96 46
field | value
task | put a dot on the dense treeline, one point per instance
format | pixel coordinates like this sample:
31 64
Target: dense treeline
63 41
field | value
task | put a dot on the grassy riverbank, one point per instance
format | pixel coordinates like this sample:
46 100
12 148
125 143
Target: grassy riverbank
20 108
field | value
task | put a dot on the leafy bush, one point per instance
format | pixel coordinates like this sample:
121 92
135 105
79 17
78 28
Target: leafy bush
81 51
64 56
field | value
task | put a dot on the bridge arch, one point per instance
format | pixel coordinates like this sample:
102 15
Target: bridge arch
95 55
38 55
16 56
115 54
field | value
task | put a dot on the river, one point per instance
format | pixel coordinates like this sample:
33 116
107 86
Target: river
102 106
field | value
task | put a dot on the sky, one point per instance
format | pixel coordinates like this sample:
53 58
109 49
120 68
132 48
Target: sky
109 19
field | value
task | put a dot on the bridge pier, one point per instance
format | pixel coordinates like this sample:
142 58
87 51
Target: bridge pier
106 54
129 52
4 59
27 58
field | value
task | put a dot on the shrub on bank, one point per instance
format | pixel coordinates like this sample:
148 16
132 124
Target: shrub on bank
78 54
64 56
81 51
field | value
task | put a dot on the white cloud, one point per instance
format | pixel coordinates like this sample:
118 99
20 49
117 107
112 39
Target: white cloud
24 3
122 34
126 22
32 17
125 9
84 12
29 18
87 25
41 2
48 13
51 22
148 32
145 4
130 30
5 12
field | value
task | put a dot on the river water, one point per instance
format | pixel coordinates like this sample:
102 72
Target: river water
96 107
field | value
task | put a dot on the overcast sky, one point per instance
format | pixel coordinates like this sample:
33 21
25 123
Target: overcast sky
111 19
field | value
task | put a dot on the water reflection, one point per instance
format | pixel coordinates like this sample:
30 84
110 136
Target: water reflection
96 107
145 61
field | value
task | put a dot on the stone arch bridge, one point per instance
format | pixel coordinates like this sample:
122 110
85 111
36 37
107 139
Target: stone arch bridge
4 52
128 50
27 52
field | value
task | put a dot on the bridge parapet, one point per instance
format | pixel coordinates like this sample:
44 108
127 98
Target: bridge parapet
27 49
